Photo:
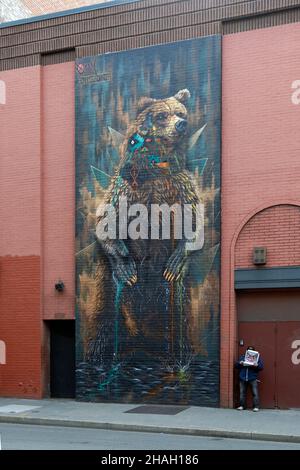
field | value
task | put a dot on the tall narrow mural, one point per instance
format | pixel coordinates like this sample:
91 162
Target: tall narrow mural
148 224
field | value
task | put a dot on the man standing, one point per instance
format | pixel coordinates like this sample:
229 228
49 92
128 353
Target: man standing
248 376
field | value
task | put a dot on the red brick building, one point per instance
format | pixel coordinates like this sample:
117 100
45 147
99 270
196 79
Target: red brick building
260 200
10 11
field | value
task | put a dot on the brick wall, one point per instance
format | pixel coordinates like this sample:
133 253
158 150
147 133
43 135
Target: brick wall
10 11
20 238
58 186
278 229
52 6
18 9
36 213
260 153
260 169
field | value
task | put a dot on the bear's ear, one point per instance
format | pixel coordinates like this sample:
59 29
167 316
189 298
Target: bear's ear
182 95
144 103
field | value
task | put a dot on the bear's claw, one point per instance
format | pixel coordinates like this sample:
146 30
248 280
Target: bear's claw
175 265
124 269
132 280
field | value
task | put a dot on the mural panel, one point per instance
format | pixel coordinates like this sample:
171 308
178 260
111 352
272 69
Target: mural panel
148 224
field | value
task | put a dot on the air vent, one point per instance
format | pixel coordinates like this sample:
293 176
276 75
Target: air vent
259 255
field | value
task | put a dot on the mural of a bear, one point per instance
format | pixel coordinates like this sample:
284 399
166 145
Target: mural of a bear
148 308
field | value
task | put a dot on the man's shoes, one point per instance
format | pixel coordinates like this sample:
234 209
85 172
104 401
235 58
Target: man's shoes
256 409
240 408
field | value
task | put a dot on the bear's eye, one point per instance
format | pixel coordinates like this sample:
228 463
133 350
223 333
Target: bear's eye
162 116
181 115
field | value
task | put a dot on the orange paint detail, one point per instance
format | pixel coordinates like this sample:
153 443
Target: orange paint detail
163 164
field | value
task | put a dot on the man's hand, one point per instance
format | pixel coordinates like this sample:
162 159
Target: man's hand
242 363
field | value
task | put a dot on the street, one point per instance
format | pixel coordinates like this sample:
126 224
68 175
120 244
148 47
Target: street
31 437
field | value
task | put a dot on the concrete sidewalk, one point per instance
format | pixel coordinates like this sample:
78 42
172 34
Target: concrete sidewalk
271 425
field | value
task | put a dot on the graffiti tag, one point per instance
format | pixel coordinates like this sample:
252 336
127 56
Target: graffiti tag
87 68
88 73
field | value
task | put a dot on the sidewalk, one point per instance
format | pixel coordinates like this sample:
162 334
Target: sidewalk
271 425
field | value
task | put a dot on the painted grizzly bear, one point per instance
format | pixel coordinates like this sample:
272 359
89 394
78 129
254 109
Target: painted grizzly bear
146 315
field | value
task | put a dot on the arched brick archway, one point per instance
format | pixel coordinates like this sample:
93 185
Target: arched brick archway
238 253
270 318
278 229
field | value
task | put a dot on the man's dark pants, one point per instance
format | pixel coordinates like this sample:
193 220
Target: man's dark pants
243 392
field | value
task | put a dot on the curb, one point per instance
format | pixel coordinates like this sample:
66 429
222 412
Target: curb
152 429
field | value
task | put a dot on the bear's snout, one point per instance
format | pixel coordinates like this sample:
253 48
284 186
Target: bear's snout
181 126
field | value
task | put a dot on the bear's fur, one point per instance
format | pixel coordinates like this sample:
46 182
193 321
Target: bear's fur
148 274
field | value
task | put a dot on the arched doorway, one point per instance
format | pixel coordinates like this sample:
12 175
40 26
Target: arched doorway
268 301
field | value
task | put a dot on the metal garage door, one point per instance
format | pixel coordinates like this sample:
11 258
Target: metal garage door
270 320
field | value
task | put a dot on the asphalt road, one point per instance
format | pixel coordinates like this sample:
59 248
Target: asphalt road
30 437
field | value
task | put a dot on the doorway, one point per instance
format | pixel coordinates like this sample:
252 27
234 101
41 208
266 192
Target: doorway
270 320
62 358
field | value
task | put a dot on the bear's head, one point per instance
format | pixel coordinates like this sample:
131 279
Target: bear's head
163 120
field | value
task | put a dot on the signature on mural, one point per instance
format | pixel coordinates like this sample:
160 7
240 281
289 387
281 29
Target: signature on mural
88 73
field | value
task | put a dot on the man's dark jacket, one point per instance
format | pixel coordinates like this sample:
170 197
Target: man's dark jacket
248 373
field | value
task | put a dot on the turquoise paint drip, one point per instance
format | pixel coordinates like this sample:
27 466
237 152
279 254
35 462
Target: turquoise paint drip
120 287
113 371
110 377
179 294
118 185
